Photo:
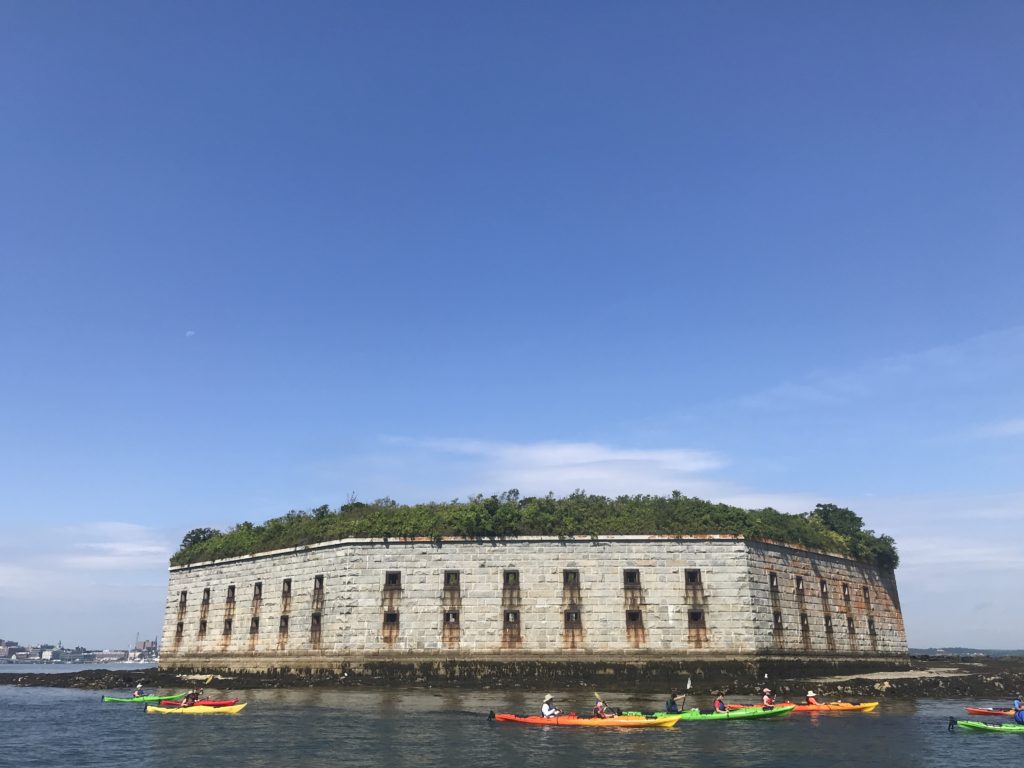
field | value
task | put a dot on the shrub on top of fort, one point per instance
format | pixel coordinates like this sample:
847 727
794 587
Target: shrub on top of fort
827 527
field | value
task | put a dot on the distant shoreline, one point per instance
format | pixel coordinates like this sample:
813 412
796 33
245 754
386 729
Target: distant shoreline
966 677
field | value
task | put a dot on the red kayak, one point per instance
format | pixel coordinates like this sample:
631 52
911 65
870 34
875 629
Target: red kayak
202 703
989 712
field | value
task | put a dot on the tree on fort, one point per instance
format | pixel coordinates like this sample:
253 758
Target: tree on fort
198 536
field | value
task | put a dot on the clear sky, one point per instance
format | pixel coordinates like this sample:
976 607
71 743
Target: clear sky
262 256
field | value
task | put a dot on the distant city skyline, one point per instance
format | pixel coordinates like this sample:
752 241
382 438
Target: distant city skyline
256 259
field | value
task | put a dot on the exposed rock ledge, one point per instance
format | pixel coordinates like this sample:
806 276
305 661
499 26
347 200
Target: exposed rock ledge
993 678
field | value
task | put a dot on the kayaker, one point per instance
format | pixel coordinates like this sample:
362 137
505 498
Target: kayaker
676 701
767 700
548 709
812 698
601 709
1018 709
720 705
192 697
138 691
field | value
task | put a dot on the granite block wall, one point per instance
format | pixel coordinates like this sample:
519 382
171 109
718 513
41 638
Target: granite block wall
615 597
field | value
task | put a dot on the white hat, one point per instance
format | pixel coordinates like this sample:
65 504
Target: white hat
811 693
139 685
548 698
767 690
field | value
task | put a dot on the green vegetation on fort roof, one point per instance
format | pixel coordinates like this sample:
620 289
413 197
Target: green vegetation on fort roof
827 527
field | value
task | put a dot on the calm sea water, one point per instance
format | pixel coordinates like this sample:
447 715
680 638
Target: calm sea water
423 728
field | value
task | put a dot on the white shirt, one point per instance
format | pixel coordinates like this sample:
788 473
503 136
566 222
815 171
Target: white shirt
548 710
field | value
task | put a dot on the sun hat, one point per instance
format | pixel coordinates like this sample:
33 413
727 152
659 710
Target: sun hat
767 690
549 697
811 693
139 685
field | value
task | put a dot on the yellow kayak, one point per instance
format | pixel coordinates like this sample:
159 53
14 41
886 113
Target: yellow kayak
197 710
836 706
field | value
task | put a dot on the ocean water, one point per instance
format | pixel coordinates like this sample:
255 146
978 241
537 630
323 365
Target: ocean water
423 728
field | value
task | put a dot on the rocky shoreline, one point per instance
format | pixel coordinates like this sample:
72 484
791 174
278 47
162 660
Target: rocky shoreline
913 678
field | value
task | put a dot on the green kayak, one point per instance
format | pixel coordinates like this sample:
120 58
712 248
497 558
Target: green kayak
975 725
144 699
738 714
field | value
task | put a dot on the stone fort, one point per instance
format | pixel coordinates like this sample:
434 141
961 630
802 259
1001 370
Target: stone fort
539 598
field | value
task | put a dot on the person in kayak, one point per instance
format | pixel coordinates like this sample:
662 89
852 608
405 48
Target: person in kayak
767 700
812 698
138 691
676 701
720 705
192 697
548 709
1018 709
601 709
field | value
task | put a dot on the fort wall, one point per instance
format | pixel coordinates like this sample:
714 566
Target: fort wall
531 598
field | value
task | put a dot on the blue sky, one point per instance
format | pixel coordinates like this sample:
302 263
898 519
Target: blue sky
258 257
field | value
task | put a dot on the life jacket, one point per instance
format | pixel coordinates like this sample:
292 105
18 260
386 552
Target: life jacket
1019 716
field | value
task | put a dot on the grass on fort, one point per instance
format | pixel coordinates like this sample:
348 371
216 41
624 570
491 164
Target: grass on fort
827 527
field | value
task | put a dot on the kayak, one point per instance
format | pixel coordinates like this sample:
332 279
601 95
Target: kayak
738 714
200 703
1001 728
136 699
197 710
990 712
605 722
836 706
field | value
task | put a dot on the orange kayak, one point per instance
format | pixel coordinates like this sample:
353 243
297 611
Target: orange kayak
836 706
989 712
604 722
